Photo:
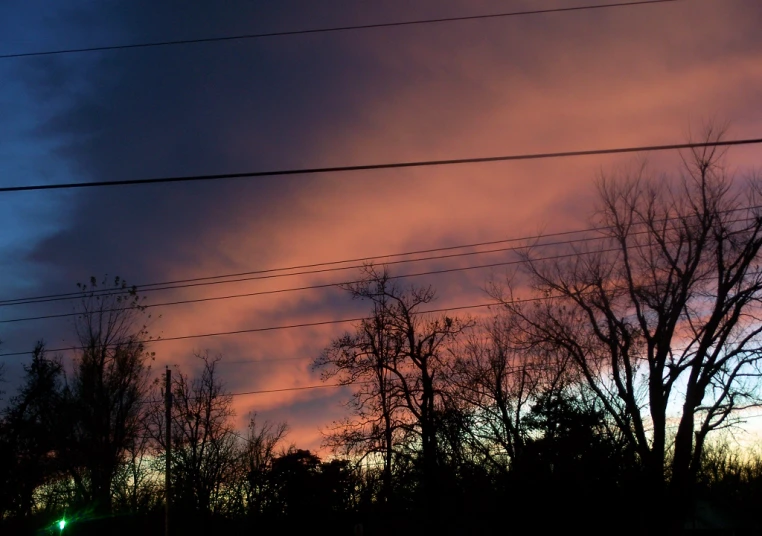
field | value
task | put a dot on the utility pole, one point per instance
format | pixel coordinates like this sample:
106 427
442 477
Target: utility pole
168 451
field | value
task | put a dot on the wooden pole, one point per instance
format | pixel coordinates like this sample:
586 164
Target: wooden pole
167 469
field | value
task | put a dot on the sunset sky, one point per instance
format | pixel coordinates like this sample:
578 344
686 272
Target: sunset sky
602 78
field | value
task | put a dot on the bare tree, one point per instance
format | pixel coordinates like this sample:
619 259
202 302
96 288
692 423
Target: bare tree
497 380
137 487
257 452
663 313
398 354
108 387
203 440
367 358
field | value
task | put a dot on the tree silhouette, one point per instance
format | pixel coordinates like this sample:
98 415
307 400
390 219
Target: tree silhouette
399 353
109 385
369 356
204 447
663 311
255 464
31 434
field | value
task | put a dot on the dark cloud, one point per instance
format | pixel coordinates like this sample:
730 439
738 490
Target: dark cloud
507 85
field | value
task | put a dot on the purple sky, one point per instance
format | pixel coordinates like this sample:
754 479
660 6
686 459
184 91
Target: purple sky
568 81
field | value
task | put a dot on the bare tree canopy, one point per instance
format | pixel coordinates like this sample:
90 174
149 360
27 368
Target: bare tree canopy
398 355
204 445
108 387
662 315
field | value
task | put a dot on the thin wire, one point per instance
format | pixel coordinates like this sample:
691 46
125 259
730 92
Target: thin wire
179 283
319 286
286 389
278 390
344 283
109 292
270 328
201 281
333 29
265 360
307 324
516 368
329 322
370 167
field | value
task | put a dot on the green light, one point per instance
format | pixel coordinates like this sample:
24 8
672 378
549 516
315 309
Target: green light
62 524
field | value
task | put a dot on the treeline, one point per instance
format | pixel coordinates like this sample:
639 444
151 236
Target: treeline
591 397
511 434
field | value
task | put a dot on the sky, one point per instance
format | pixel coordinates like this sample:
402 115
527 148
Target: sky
632 76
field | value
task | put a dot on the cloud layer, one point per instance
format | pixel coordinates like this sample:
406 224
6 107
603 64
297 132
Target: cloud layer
603 78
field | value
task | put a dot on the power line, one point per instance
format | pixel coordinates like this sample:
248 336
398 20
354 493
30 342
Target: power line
303 358
514 368
279 390
265 360
273 328
333 29
286 389
180 283
341 321
317 286
371 167
197 282
301 325
309 324
340 283
346 384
